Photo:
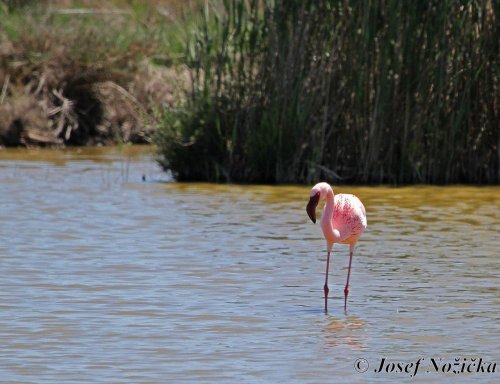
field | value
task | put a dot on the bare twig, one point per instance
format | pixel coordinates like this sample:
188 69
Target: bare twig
4 88
126 95
330 172
122 91
90 11
40 84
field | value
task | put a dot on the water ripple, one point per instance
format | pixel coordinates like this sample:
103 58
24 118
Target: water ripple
106 278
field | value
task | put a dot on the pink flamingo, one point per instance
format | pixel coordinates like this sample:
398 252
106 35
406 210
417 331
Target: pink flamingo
343 221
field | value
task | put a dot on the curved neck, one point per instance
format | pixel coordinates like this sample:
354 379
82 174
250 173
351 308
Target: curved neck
331 235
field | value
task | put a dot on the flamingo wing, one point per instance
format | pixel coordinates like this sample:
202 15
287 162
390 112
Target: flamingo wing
349 217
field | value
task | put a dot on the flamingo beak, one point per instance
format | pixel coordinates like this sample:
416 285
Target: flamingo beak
311 207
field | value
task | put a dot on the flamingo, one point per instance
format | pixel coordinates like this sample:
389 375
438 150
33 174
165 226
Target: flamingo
343 221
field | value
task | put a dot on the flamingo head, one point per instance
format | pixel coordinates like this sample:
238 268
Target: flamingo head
318 192
313 203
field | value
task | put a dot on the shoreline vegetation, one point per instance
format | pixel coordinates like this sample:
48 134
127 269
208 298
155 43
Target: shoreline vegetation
83 73
262 91
364 92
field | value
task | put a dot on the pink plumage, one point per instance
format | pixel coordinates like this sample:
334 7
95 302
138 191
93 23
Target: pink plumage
349 217
343 221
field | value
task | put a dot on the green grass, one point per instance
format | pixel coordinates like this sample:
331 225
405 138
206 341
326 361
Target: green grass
358 92
139 31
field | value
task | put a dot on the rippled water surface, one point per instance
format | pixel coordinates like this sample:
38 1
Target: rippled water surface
106 277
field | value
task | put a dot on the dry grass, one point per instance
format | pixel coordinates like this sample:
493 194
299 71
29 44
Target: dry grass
88 75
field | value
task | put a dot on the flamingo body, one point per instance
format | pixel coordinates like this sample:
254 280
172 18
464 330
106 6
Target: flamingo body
343 221
349 219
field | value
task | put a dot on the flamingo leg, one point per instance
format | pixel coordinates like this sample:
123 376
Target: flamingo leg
325 288
346 290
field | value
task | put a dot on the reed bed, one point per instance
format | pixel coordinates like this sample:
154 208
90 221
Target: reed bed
370 91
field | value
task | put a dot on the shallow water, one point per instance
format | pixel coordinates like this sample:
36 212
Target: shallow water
109 278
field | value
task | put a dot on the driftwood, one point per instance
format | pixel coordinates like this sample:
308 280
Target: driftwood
36 137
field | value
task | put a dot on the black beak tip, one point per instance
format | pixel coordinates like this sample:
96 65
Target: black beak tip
311 207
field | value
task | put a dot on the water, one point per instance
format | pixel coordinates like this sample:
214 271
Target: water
109 278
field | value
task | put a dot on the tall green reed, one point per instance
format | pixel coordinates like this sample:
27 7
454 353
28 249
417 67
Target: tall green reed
363 91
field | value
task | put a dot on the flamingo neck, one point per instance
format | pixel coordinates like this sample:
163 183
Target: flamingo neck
331 235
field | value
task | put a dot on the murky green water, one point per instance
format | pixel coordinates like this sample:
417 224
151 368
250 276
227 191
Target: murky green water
109 278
